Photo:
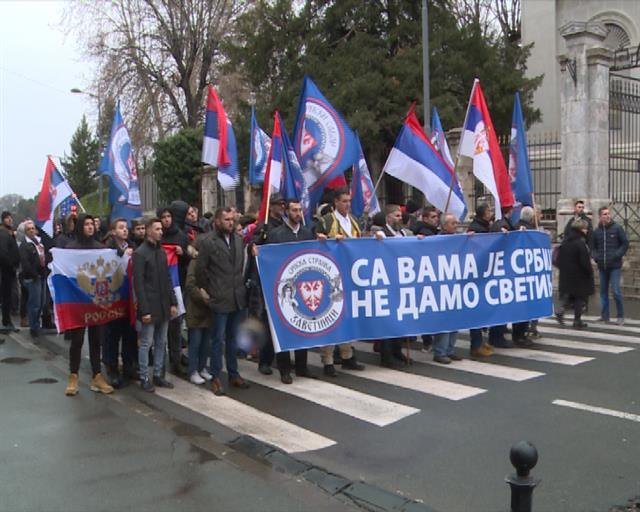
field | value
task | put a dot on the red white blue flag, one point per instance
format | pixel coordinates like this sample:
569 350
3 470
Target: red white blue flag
172 263
219 144
480 143
55 189
363 194
324 143
416 161
88 287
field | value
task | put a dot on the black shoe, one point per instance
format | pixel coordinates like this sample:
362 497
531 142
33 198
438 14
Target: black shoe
330 370
114 379
389 363
352 364
523 342
286 378
305 373
34 333
560 318
337 358
580 325
501 343
455 357
147 385
265 369
162 383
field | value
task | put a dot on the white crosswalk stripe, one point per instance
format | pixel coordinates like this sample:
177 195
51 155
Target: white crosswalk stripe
245 419
467 365
598 410
583 345
536 355
588 318
418 383
603 336
339 398
595 326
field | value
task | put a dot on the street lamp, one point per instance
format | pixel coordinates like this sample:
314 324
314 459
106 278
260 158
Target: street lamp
76 90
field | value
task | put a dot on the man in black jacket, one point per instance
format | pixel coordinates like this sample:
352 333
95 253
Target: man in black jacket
220 272
578 214
291 230
33 262
156 304
610 243
9 260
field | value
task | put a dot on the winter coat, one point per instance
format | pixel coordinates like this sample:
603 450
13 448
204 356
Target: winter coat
422 228
9 255
610 243
284 234
198 310
220 271
574 263
583 216
504 222
478 225
152 283
80 241
30 261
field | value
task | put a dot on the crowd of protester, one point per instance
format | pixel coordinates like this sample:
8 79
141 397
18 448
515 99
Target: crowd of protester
221 287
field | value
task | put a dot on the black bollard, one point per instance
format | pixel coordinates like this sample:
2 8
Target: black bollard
524 457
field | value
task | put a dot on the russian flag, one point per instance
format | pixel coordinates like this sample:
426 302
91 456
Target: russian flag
480 143
172 262
363 194
415 161
88 287
55 189
219 144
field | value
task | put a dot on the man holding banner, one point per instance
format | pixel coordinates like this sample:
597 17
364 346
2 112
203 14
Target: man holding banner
340 224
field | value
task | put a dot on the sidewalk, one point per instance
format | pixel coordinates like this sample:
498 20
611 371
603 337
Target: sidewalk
96 452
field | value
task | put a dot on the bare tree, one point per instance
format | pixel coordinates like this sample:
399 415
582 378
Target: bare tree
156 56
494 18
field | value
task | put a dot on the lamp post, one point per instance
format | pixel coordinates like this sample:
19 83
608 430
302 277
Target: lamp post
76 90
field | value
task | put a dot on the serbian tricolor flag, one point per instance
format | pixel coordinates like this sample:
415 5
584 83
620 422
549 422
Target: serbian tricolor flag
480 143
363 194
55 189
324 143
273 174
416 161
172 262
219 144
88 287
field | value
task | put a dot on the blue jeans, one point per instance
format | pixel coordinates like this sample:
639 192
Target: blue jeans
154 333
611 277
34 302
225 327
199 341
444 344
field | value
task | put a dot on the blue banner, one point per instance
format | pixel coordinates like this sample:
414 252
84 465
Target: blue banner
323 293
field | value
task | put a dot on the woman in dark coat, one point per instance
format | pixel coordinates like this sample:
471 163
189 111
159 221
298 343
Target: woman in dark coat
576 273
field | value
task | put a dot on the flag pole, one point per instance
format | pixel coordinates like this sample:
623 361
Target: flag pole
454 174
535 213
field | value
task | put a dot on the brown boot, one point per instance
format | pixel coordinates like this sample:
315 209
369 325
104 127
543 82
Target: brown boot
238 382
72 385
100 385
216 387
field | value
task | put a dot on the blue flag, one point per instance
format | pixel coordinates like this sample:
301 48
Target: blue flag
258 151
519 169
118 163
324 143
292 185
363 194
438 139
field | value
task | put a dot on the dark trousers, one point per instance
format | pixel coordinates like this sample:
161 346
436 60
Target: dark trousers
519 330
578 303
283 360
476 337
496 333
392 348
24 298
96 334
7 282
174 340
116 331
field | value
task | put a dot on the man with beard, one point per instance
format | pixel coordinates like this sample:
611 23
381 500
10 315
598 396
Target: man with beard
220 272
137 232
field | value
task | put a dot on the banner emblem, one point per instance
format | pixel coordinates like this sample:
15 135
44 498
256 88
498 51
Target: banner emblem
317 280
321 142
101 280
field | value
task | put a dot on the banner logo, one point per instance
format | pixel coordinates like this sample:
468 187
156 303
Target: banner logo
310 294
101 280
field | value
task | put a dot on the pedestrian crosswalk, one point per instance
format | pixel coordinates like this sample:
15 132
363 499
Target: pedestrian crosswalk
382 397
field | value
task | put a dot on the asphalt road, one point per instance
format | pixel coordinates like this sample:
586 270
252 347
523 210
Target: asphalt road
438 435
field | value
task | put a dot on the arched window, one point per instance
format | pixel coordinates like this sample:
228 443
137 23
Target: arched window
617 37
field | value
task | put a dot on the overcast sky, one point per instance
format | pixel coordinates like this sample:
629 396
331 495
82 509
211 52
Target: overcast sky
39 64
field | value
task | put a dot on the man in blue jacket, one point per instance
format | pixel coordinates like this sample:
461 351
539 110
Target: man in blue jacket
610 244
